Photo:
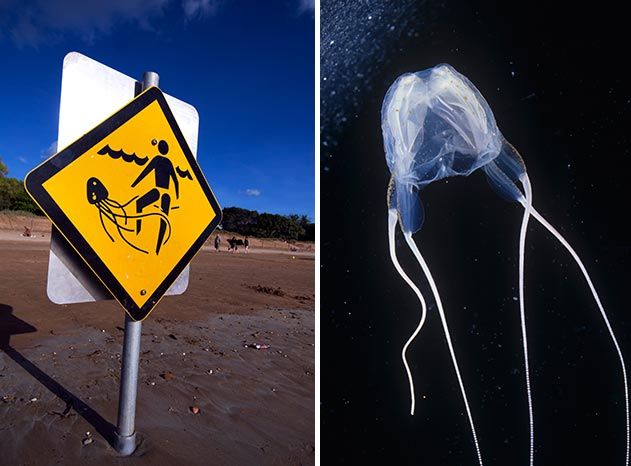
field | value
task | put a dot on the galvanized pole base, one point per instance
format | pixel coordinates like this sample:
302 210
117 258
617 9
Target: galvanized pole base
125 446
125 435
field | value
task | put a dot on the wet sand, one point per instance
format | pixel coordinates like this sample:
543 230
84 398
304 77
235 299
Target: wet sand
60 365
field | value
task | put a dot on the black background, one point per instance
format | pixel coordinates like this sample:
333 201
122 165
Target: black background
567 109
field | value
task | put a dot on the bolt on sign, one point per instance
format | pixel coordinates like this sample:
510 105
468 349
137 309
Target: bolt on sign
131 200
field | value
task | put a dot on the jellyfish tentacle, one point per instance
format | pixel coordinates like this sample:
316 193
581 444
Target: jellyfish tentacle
113 203
103 225
443 319
120 233
522 310
124 216
114 217
392 223
162 216
119 228
106 212
117 205
104 207
580 264
153 214
128 242
129 201
149 214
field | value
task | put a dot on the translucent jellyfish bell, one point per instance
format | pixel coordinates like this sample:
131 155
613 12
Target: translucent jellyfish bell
436 124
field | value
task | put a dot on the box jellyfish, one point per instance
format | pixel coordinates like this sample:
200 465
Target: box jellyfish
436 124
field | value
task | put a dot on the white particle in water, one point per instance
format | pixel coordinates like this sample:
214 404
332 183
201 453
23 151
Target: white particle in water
364 47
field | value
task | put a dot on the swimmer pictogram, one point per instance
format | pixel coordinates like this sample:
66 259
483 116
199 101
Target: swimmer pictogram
116 213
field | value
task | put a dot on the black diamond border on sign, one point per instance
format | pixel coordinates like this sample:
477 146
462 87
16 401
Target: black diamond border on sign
35 180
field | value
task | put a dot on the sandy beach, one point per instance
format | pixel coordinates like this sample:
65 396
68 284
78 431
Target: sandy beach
237 346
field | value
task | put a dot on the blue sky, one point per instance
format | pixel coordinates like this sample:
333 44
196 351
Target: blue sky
247 66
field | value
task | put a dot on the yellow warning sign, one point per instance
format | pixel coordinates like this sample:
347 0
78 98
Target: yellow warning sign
131 199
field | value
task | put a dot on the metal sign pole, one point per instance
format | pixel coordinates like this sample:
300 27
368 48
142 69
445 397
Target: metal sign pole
125 441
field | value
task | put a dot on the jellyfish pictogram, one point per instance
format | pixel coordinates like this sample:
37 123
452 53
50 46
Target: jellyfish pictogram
116 213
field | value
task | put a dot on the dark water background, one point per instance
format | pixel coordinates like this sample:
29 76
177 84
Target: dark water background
558 85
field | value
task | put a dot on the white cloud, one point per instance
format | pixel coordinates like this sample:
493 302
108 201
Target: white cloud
25 33
253 192
37 22
50 150
306 5
196 8
22 159
42 20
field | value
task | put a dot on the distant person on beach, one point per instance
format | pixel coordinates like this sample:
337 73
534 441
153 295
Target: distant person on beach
246 244
233 244
217 243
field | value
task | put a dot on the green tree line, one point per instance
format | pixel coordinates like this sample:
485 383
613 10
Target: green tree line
13 196
251 223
